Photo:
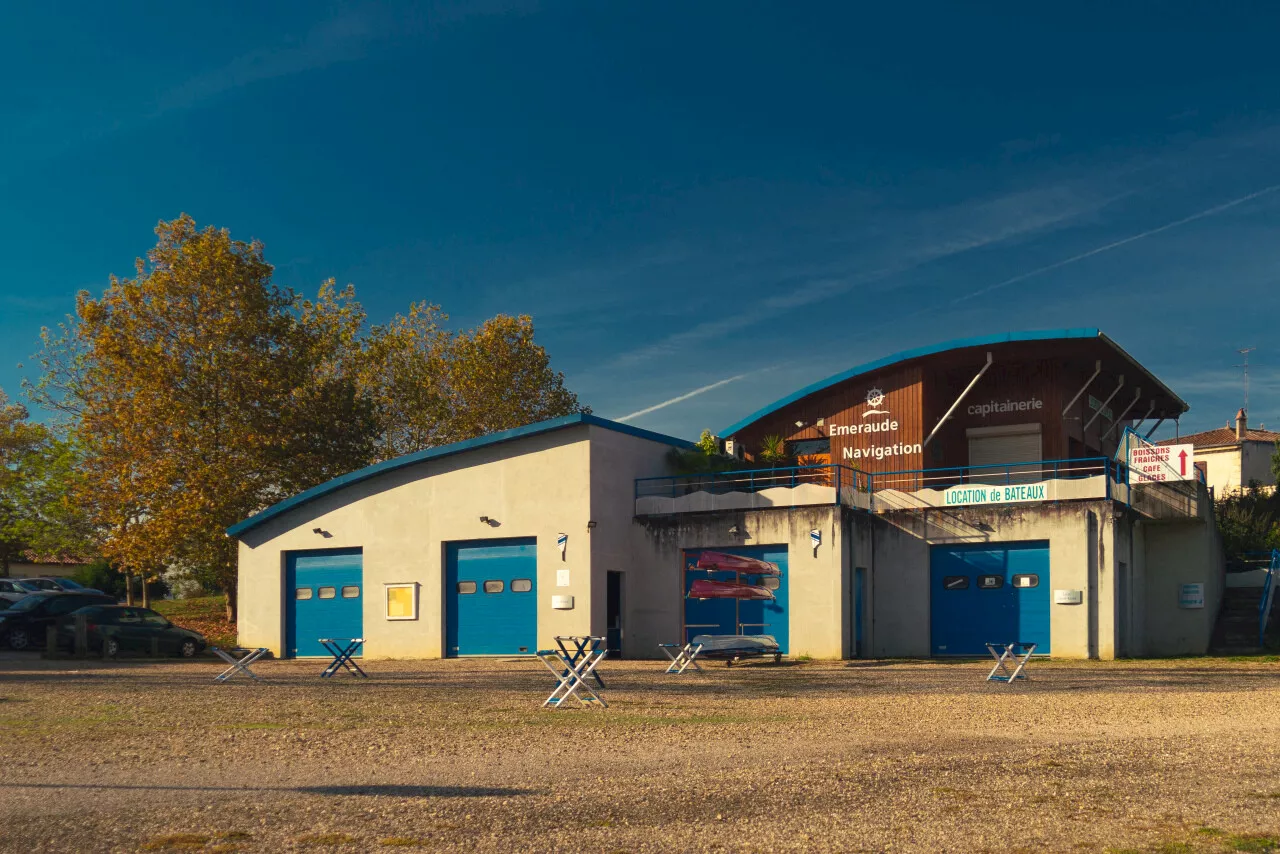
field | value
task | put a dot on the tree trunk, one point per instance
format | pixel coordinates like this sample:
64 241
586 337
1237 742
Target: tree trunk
230 593
146 592
128 588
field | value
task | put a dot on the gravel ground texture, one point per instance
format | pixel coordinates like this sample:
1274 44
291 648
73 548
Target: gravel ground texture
1161 756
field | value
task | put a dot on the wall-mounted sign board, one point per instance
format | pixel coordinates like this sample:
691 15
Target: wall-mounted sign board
1191 595
1148 463
1068 597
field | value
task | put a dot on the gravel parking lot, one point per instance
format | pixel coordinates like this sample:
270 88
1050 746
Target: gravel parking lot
456 755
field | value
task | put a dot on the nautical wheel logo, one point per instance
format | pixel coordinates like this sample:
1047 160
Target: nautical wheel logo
875 397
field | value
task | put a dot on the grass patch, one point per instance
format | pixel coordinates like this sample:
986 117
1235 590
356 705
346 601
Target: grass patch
252 725
404 842
1254 659
319 839
1254 843
234 835
176 842
204 614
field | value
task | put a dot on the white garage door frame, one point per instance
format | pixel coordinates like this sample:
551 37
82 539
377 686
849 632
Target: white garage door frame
998 446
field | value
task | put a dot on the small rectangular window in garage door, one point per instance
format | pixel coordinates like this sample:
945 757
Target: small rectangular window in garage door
351 591
990 582
955 582
1026 581
465 587
327 592
494 587
302 593
521 585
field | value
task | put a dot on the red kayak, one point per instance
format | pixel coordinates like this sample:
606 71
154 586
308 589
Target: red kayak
733 563
704 588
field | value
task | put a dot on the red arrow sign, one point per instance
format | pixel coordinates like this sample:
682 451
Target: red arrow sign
1183 457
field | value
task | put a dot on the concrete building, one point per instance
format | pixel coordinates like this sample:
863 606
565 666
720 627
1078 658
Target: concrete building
937 499
1234 456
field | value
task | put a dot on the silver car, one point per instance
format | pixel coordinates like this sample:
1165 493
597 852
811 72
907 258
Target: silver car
12 589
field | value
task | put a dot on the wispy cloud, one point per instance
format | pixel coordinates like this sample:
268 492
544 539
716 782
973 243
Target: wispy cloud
1022 277
680 398
931 236
335 40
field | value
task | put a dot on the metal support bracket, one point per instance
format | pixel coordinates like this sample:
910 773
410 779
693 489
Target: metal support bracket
959 400
1104 405
1097 370
1136 394
1155 428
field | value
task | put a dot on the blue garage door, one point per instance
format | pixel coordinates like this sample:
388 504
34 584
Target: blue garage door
491 594
733 617
989 592
324 593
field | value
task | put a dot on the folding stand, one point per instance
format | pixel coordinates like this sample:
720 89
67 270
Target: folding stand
686 658
342 650
571 675
239 665
580 644
1001 672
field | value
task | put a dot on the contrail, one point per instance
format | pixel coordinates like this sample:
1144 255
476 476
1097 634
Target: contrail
686 396
1064 262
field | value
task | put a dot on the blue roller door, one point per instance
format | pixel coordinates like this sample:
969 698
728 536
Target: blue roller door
324 593
732 617
997 592
491 597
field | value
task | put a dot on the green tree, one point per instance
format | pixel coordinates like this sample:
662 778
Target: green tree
37 477
432 386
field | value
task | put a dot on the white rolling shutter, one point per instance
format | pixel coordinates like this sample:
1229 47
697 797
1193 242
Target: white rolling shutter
1018 443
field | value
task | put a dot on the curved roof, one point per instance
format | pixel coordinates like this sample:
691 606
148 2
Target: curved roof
445 451
956 344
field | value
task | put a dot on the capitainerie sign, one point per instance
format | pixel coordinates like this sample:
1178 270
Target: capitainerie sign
999 407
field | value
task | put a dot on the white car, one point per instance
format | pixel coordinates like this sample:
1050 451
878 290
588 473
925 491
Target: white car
13 589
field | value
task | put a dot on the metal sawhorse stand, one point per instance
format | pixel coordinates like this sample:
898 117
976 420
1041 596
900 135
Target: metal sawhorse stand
342 650
241 664
572 670
1005 655
686 657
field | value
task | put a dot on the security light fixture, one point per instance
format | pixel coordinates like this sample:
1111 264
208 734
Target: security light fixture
484 520
317 530
591 523
734 530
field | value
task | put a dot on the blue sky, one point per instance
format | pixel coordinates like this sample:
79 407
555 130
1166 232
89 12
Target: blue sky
723 198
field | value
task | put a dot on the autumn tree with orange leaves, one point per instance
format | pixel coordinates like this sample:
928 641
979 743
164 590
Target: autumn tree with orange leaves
200 392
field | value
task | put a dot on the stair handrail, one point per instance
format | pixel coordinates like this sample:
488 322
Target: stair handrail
1268 595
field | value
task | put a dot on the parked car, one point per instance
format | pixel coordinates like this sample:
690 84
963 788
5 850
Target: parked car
11 589
24 623
123 627
66 585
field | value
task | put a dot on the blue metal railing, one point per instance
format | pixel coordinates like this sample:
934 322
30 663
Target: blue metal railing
1000 473
1268 593
1116 480
752 480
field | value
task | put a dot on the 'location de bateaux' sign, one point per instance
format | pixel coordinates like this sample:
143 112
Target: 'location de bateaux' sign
969 496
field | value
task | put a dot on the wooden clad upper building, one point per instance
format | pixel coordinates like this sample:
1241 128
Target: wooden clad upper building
1021 397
